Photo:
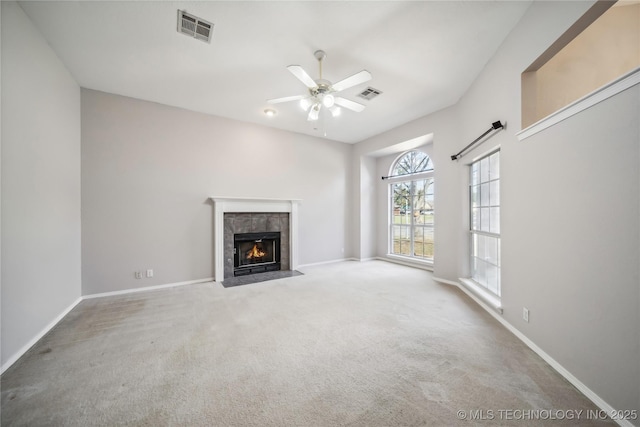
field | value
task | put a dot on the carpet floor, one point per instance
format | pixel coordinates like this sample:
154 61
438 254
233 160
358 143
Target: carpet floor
345 344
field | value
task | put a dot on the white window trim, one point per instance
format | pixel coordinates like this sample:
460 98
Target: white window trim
607 91
480 291
397 257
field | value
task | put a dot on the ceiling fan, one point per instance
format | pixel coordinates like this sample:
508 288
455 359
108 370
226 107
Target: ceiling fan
321 91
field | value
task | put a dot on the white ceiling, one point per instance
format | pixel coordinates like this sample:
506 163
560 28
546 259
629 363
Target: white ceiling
423 55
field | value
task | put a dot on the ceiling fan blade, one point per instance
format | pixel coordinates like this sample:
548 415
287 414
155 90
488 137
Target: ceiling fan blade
348 104
356 79
302 75
285 99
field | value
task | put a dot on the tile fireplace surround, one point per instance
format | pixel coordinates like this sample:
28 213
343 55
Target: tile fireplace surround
239 205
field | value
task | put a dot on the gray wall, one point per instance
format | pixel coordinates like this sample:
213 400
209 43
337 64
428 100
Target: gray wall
40 184
149 169
570 211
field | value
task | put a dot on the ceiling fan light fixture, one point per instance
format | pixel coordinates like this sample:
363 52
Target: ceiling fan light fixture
305 103
270 112
328 100
335 110
314 113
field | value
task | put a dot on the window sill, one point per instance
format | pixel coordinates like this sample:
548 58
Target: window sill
479 294
411 262
625 82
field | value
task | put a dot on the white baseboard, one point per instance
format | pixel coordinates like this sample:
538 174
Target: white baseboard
590 394
13 359
448 282
147 288
418 264
333 261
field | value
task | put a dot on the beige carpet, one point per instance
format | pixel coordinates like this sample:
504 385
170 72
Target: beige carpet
347 344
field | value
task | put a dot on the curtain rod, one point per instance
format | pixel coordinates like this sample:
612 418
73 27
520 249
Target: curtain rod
494 126
406 174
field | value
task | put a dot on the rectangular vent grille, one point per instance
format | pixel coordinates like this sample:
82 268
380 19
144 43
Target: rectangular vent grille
194 26
369 93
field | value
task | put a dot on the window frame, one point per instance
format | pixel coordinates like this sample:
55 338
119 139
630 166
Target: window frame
478 234
411 179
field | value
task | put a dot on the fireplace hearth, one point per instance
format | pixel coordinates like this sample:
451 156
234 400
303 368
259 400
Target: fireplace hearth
256 253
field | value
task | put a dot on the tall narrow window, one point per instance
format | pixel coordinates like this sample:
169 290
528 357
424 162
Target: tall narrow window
412 206
484 220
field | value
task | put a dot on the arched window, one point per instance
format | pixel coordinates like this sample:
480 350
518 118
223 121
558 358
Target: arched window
412 162
411 186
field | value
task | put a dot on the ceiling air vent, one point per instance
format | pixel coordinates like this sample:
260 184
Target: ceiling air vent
194 26
369 93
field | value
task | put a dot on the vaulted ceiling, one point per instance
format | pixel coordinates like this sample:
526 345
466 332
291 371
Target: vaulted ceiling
423 55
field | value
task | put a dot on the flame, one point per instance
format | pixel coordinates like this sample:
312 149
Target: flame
255 252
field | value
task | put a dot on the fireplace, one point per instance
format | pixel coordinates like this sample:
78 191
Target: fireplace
234 215
256 253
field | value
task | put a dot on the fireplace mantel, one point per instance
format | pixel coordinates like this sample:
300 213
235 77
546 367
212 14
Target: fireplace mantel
250 205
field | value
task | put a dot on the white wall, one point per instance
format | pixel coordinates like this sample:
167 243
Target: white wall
149 169
368 212
570 211
40 184
440 131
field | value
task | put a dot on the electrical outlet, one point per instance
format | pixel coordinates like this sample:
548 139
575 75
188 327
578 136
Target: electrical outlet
525 314
138 274
150 273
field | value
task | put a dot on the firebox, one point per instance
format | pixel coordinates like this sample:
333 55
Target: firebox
256 253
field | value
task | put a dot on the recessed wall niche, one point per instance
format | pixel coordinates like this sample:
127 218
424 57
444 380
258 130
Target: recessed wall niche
602 46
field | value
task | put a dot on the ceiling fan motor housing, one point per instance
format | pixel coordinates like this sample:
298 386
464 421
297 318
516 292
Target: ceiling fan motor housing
323 87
